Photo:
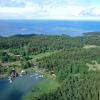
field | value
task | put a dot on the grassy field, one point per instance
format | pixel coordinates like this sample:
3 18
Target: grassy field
41 55
90 46
45 86
95 66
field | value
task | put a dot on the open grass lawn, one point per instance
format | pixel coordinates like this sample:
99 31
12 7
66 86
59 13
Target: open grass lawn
90 46
41 55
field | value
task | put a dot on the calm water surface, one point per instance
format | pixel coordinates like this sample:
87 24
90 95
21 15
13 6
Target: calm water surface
19 87
69 27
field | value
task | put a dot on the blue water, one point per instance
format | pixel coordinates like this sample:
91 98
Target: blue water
73 28
19 87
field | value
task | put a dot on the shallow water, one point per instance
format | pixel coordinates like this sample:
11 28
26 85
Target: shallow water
19 87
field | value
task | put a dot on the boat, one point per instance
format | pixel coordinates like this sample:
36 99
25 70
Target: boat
40 76
32 75
36 74
10 79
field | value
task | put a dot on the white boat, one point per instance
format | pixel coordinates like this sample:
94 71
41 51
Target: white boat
10 80
36 74
40 76
20 75
32 75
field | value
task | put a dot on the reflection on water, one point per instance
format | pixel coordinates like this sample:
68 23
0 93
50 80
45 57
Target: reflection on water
19 87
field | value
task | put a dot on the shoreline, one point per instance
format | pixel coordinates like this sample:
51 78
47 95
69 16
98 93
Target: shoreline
2 76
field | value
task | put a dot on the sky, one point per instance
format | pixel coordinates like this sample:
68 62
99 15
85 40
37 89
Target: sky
50 9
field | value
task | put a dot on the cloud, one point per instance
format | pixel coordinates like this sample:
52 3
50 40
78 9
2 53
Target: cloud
19 12
48 9
95 12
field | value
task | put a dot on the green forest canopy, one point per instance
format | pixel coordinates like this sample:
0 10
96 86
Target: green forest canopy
70 63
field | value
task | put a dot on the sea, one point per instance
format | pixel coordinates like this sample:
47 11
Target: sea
48 27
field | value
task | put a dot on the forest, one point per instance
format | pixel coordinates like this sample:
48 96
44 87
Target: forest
75 62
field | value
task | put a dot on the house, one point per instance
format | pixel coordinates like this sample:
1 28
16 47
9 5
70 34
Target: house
18 57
